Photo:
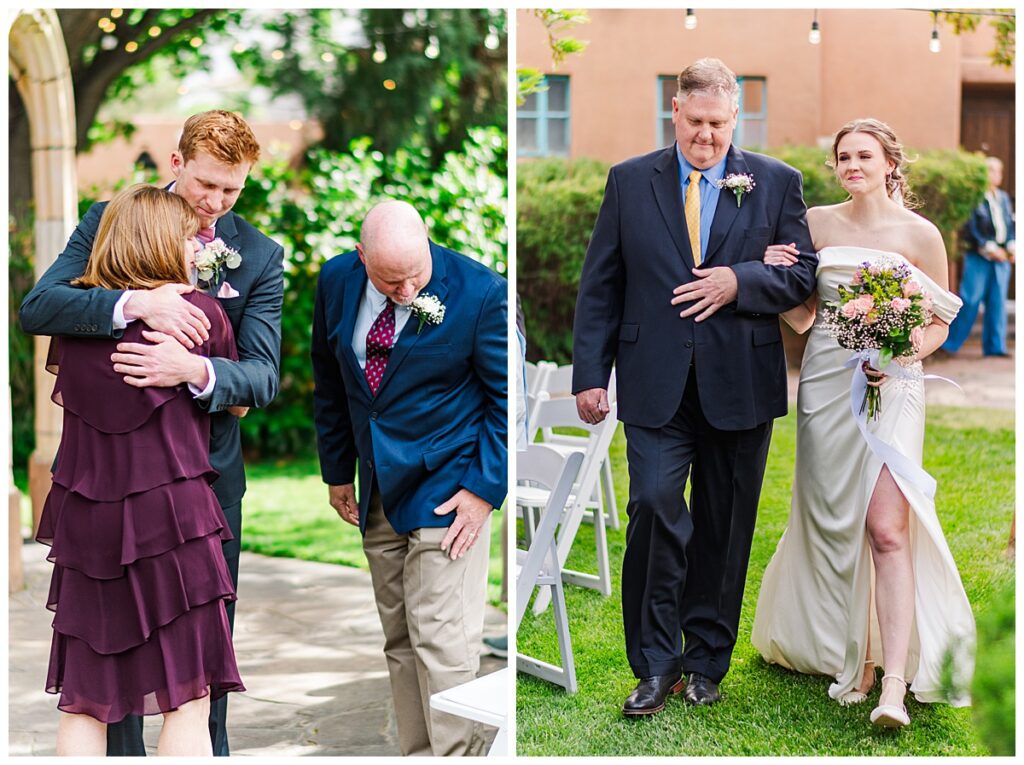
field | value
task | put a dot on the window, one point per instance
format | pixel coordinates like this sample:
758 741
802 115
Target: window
542 122
751 123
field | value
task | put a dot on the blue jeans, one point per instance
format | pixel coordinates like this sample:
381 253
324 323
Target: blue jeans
988 282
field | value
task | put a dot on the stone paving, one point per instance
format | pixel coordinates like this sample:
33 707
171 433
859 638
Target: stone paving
309 648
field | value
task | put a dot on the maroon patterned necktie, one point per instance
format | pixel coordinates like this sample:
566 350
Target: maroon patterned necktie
378 346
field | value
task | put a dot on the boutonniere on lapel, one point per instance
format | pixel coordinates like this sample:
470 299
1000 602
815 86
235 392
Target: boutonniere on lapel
739 184
210 263
428 309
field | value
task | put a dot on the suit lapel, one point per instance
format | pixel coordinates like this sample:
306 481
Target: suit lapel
668 194
437 286
225 228
727 209
355 286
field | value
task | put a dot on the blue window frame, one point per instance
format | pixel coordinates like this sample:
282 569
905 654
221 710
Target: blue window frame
751 123
542 122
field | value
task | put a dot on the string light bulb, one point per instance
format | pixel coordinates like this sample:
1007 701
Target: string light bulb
492 41
691 19
380 54
935 45
433 49
814 38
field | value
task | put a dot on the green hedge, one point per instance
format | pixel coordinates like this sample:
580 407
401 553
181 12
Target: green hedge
315 213
558 201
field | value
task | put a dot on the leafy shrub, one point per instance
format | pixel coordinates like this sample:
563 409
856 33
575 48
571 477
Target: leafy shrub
558 203
992 691
20 347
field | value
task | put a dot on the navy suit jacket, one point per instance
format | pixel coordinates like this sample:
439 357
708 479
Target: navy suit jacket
640 251
54 307
980 228
439 420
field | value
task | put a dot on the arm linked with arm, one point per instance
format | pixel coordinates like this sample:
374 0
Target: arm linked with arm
775 289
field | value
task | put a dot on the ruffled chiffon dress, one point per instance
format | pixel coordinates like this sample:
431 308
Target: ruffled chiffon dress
139 582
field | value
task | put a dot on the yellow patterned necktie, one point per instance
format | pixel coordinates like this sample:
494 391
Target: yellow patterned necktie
693 215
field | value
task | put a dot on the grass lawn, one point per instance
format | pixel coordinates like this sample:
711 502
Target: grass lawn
767 710
285 513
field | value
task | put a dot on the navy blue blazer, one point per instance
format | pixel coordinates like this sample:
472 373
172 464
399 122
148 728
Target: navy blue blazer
980 228
54 307
439 420
640 251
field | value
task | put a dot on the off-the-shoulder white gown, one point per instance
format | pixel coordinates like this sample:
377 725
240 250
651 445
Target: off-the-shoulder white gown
816 601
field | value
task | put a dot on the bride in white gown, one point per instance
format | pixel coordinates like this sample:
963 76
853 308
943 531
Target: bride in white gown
863 576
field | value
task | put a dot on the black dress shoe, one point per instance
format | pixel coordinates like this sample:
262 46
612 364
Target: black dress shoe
648 698
701 689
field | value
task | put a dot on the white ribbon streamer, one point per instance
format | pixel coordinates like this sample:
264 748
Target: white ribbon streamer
897 462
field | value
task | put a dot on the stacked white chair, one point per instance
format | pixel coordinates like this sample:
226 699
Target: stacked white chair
556 381
556 413
544 469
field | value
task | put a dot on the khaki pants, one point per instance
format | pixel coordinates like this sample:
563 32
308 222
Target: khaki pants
432 612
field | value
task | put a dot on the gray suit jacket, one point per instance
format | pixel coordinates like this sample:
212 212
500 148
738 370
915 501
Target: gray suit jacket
54 307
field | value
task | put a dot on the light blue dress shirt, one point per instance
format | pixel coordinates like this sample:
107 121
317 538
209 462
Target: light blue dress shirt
709 193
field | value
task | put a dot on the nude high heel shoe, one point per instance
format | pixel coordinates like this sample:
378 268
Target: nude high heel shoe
890 715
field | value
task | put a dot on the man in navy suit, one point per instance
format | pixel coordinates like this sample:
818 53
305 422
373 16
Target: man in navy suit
212 161
418 397
698 388
991 244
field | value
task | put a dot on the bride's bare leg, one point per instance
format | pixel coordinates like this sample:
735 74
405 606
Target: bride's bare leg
81 736
185 732
889 537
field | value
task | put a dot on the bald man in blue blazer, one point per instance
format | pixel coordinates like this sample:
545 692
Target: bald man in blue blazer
410 349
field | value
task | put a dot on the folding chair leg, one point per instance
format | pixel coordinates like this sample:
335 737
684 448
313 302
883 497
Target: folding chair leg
601 543
611 507
564 638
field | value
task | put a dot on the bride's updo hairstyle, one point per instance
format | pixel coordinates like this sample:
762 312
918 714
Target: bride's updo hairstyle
896 185
140 241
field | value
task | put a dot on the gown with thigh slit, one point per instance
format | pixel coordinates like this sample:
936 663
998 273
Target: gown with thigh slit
816 604
139 581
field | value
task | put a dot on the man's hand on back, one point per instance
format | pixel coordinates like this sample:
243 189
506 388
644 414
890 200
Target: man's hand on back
164 310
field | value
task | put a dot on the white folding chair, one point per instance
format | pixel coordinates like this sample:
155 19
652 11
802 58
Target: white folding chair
561 412
542 467
557 382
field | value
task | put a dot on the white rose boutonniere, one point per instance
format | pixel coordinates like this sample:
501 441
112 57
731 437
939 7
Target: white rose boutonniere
739 184
428 309
211 260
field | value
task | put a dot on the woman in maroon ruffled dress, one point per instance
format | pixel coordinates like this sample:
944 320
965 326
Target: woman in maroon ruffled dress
139 582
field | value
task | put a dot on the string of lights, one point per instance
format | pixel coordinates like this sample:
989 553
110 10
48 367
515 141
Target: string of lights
934 43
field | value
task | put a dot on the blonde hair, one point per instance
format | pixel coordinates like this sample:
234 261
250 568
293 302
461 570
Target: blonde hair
223 135
711 76
140 243
896 185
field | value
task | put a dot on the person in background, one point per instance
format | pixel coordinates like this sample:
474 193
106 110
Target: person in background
991 246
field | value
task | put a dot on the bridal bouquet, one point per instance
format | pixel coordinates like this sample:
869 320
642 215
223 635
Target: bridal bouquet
880 315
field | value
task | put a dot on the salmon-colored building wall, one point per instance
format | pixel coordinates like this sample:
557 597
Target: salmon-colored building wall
869 63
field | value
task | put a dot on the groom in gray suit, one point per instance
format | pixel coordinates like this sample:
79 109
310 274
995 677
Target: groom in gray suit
212 161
